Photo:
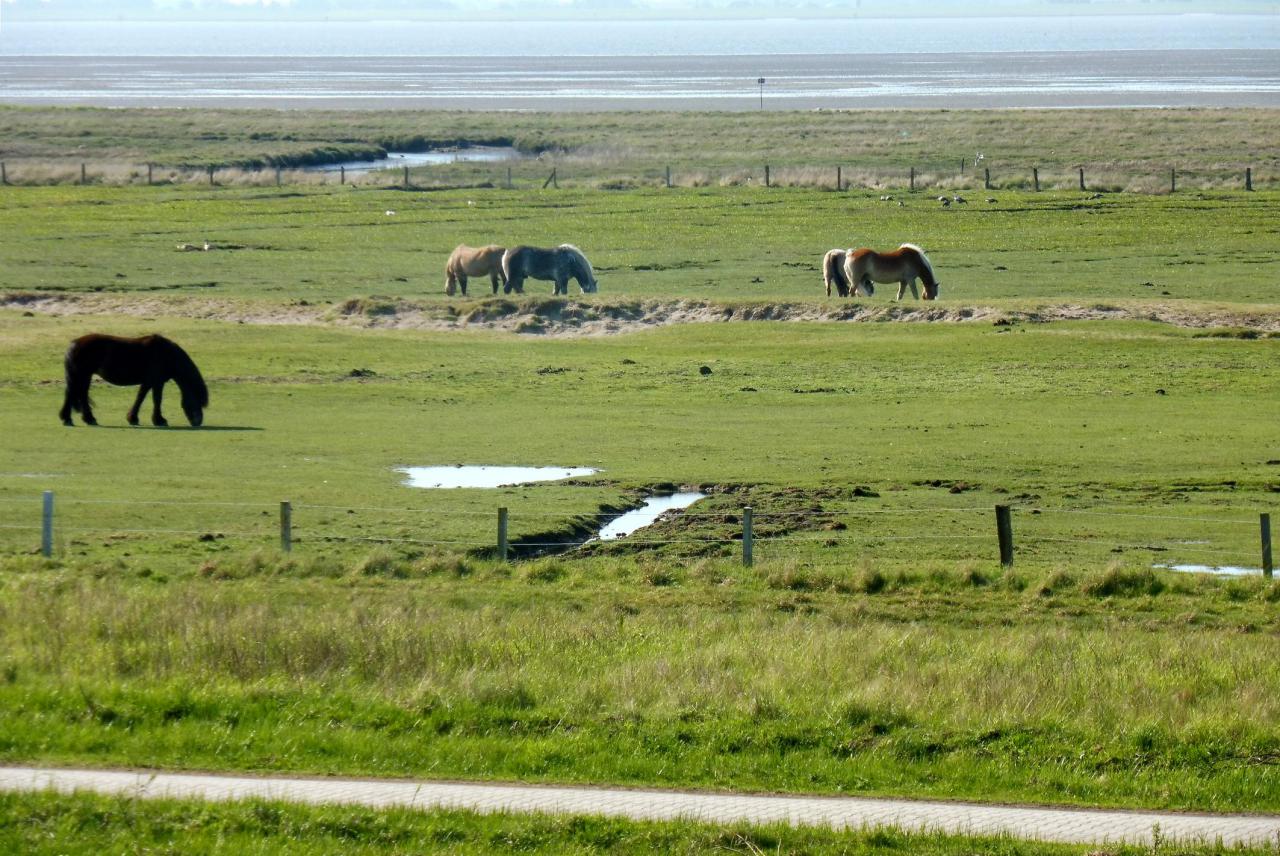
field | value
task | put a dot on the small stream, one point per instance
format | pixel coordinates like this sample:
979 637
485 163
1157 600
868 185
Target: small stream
395 160
638 518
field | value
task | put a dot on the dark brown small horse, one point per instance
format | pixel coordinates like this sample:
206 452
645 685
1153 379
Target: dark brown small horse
558 264
148 361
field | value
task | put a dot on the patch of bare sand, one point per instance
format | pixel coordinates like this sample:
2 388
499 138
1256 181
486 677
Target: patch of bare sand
565 317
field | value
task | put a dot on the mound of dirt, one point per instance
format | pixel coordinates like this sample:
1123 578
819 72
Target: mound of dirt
562 316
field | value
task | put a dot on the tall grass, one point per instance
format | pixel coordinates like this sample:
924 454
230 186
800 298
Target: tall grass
698 677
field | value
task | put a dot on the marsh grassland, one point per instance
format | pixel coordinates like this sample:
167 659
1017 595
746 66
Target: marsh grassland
1107 365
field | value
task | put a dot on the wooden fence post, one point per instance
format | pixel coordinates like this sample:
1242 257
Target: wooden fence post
1173 179
508 178
406 177
1082 187
286 525
766 175
839 179
1035 177
986 178
551 180
1248 178
277 176
149 169
502 534
748 559
668 175
83 177
1004 530
1264 523
913 179
46 525
342 174
962 166
4 176
211 174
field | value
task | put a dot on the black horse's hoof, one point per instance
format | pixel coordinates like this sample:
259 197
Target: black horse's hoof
132 420
68 423
160 423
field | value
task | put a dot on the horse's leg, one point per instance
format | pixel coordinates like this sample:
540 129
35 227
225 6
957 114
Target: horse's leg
68 400
915 293
493 279
157 392
132 415
562 285
80 394
902 289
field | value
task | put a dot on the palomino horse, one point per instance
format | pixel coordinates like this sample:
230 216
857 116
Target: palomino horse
467 261
149 361
559 264
904 266
833 274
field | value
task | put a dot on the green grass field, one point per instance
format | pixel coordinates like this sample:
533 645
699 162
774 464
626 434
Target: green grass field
40 825
1106 366
1120 149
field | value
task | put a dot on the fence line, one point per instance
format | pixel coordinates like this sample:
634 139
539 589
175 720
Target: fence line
954 174
746 536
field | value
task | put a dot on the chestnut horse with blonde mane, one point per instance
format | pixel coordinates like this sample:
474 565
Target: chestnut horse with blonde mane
904 266
467 261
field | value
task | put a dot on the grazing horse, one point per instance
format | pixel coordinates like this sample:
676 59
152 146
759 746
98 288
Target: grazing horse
467 261
833 274
559 264
149 361
904 266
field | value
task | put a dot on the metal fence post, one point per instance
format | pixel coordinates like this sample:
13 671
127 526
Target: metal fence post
502 534
46 525
286 525
747 558
1004 530
1265 525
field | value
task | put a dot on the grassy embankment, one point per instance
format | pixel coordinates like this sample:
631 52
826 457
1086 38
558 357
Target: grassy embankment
888 656
1120 149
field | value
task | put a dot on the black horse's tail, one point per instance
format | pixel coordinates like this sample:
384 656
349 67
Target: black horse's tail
78 377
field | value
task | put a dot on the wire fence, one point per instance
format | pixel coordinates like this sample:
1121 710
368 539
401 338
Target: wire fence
567 170
1233 541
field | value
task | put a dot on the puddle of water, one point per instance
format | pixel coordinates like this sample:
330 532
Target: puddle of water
1219 570
640 517
395 160
487 476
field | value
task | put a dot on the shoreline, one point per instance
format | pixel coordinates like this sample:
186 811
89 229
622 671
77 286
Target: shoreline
1129 79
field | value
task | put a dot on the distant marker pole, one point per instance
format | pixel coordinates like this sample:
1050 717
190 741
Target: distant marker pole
1265 525
761 83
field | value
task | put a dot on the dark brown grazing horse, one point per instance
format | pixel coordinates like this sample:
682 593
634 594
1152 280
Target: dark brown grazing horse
558 264
148 361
